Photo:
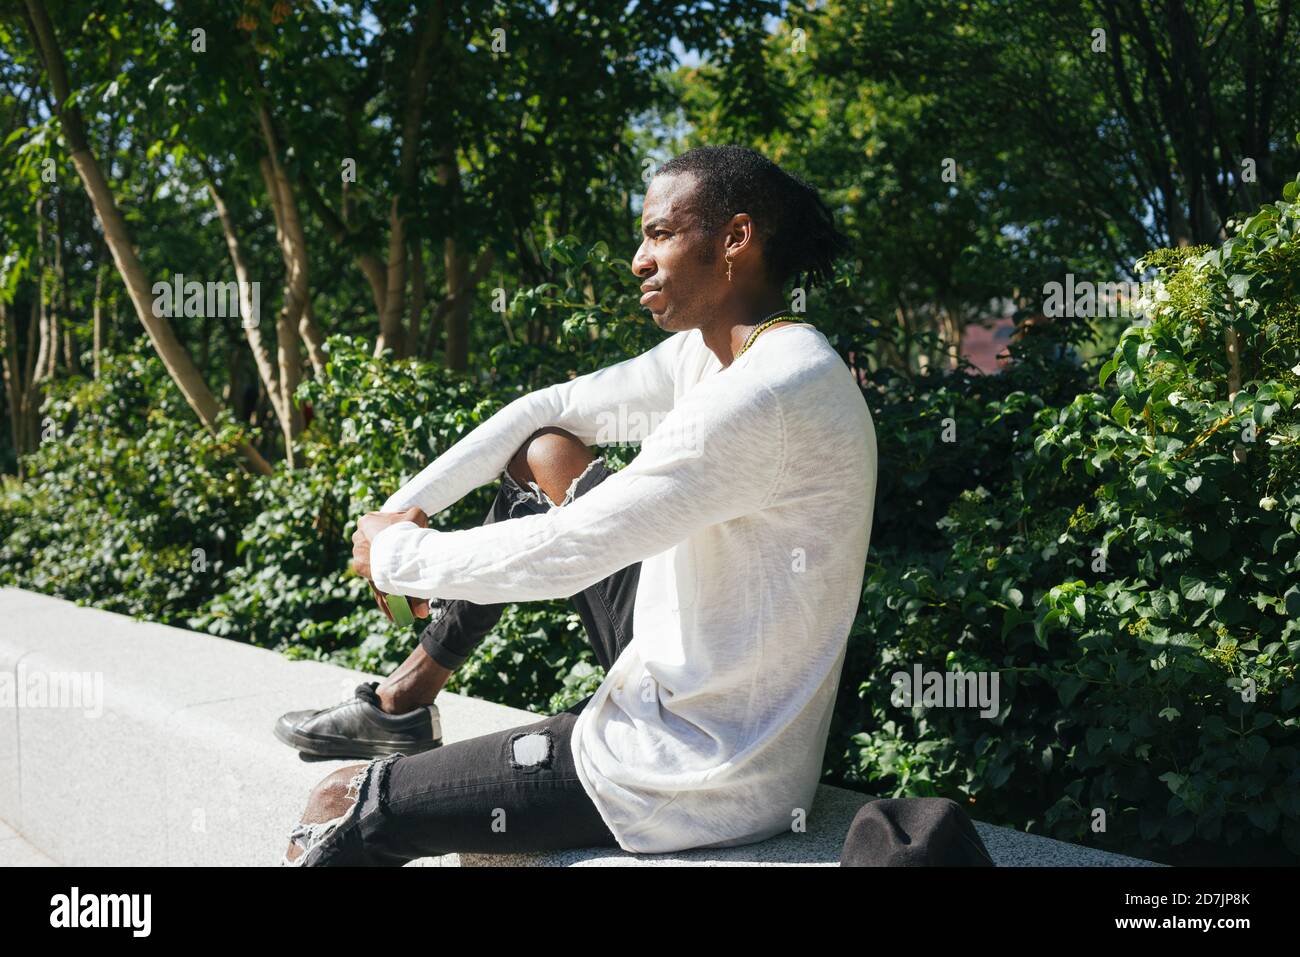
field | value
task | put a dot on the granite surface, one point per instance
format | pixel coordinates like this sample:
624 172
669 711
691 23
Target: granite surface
172 760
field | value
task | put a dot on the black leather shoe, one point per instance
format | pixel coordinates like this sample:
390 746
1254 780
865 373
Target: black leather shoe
359 728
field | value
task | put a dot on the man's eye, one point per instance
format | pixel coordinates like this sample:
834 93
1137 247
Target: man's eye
659 232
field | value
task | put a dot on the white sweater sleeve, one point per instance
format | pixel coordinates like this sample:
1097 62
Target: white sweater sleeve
718 455
619 403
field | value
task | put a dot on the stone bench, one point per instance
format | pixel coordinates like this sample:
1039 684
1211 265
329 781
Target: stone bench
172 760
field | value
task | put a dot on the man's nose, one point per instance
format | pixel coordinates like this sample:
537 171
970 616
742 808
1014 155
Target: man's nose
641 263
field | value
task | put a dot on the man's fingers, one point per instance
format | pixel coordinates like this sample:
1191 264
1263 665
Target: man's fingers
375 522
360 563
379 599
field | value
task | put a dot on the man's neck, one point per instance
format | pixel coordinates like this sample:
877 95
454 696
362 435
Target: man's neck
726 336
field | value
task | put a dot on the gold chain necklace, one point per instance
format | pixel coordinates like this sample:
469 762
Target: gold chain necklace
760 327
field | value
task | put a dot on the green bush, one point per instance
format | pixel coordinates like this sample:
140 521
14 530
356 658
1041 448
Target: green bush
1134 585
131 505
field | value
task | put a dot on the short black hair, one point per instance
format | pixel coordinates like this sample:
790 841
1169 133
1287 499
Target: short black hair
797 230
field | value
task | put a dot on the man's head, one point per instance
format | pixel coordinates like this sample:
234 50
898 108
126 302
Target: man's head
715 203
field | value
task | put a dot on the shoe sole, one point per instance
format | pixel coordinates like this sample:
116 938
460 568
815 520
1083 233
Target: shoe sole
334 747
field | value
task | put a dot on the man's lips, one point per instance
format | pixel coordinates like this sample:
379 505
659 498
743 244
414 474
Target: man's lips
647 296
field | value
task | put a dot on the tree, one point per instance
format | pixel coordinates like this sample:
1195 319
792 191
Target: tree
173 354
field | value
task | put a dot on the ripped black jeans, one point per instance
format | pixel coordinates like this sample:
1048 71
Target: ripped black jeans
508 792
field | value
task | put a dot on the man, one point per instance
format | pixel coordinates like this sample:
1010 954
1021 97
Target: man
717 574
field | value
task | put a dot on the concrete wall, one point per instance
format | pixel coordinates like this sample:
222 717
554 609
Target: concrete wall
169 758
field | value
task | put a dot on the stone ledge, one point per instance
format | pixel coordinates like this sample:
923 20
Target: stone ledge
180 766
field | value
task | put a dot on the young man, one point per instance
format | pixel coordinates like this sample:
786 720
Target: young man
717 574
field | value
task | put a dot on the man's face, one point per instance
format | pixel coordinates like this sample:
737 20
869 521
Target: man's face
677 262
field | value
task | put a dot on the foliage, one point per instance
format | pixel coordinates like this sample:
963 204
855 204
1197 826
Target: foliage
1134 584
130 504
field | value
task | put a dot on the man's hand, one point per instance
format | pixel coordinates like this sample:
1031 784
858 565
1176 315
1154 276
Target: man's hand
368 528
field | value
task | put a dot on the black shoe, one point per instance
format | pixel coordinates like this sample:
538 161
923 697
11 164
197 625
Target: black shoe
359 728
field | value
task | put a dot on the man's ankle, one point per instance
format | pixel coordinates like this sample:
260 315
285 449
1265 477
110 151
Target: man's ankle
414 684
397 700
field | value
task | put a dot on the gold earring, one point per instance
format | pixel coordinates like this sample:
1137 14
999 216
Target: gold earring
728 267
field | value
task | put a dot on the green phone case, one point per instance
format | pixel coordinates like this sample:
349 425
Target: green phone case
400 608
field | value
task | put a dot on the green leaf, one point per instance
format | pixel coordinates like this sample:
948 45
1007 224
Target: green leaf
1120 411
1107 371
1045 625
1173 780
1068 688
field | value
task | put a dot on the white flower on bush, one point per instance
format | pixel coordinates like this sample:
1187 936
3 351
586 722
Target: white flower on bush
1175 397
1268 503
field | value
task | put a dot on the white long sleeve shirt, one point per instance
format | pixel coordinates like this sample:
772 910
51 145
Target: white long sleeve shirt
749 506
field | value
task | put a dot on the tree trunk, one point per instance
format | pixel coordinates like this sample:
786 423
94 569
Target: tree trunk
251 324
293 249
460 282
63 330
412 334
1232 347
173 354
429 32
98 310
44 361
22 394
456 264
14 386
951 334
390 320
30 377
313 339
370 264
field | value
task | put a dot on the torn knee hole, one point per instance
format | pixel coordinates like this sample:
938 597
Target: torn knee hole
530 750
353 791
572 491
367 790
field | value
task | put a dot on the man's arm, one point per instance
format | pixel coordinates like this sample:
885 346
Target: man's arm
618 403
718 455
